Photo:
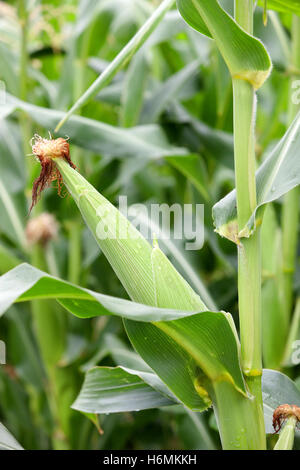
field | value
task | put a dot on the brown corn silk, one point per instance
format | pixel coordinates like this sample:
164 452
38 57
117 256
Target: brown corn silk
46 151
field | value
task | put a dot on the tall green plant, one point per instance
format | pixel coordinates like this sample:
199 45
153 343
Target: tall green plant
249 251
192 355
150 279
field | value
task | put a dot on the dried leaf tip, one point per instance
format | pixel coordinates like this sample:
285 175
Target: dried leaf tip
46 151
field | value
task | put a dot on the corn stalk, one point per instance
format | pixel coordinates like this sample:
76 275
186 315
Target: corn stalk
249 250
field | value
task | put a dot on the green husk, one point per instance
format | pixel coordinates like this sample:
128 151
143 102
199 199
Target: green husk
287 435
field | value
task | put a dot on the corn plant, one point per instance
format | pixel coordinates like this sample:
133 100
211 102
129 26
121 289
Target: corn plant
190 354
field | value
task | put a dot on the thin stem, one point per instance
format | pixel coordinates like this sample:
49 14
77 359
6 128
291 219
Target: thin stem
249 288
49 325
249 253
249 249
74 257
244 124
122 58
290 212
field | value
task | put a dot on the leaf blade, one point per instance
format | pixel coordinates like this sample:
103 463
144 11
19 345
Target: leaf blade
278 389
278 174
116 390
246 57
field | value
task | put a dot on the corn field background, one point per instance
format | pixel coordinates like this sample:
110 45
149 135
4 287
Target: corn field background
157 128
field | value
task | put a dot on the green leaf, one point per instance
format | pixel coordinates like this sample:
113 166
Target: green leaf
158 101
12 208
8 259
193 168
116 390
133 90
246 57
123 355
275 324
278 174
12 162
214 143
202 337
204 343
190 15
24 352
283 5
8 61
87 11
275 37
25 283
209 332
146 142
169 360
278 389
12 198
7 441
